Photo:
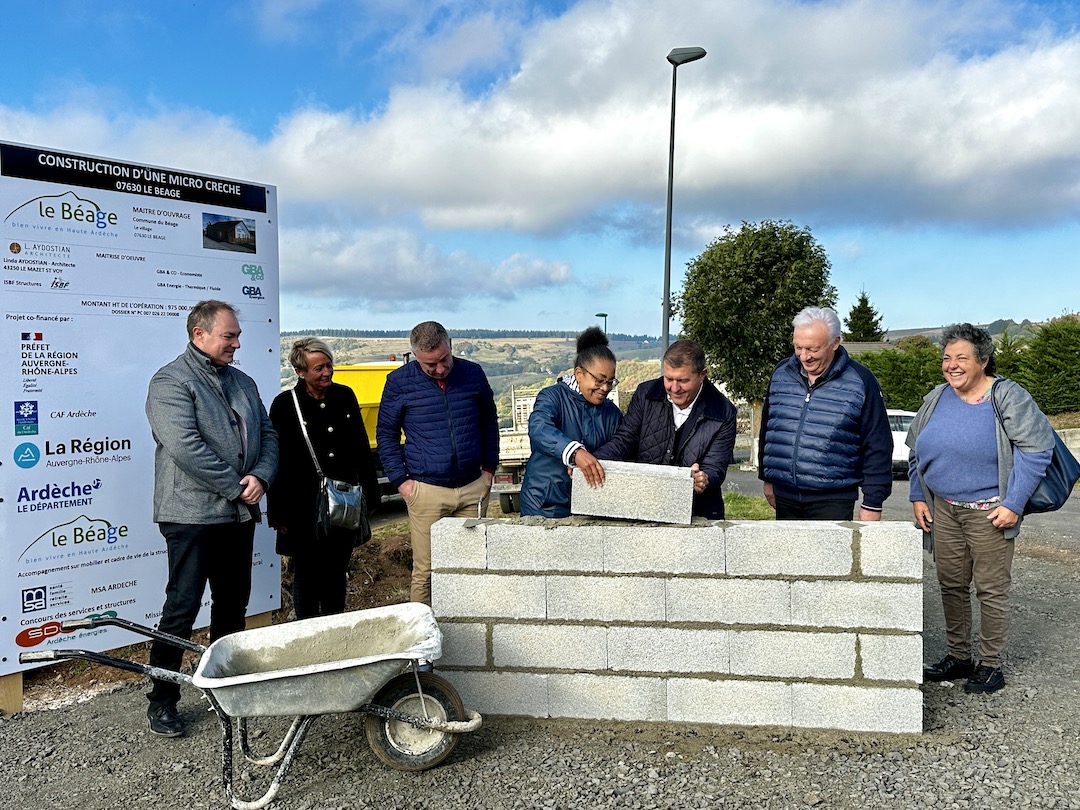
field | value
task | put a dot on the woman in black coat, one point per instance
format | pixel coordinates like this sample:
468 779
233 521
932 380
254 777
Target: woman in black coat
336 429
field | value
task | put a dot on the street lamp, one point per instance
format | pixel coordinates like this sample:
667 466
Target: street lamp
678 56
604 316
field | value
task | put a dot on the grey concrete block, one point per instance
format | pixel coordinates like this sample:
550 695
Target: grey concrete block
729 601
636 492
545 548
891 549
484 595
855 708
454 546
789 548
537 646
729 703
674 549
785 654
607 599
464 644
891 658
506 693
607 697
667 649
857 604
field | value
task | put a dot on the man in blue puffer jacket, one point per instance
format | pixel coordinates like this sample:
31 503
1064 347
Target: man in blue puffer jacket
446 465
824 429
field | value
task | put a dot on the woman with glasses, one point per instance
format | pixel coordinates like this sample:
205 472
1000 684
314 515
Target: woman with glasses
570 419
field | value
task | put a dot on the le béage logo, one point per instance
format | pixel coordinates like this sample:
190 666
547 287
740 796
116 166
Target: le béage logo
66 209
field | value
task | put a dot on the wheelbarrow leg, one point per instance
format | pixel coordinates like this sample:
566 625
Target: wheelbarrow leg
274 758
286 753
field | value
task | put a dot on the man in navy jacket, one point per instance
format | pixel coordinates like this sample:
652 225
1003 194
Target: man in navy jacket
824 429
445 467
681 420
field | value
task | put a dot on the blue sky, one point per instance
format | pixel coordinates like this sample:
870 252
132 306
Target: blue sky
503 163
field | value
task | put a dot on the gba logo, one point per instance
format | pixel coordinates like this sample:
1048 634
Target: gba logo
26 418
254 293
34 600
68 209
32 636
254 272
80 534
27 455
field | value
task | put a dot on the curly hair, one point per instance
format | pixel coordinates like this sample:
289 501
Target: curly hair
978 337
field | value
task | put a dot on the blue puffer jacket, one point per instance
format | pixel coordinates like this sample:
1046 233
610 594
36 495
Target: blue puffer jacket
560 416
647 435
450 436
826 440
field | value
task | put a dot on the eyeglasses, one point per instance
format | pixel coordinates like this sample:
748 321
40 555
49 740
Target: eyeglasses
612 383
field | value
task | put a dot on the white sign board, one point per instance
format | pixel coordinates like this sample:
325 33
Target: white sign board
102 260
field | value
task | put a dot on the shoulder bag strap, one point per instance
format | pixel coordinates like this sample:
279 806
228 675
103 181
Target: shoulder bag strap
303 429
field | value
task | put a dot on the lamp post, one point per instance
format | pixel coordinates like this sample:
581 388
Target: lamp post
678 56
604 316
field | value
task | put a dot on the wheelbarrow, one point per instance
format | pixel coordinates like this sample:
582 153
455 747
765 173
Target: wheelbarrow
364 661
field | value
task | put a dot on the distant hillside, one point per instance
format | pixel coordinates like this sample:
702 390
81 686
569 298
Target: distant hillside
1023 329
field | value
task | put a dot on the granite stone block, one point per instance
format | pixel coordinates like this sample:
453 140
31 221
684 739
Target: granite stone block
667 649
789 548
608 697
633 491
606 599
549 646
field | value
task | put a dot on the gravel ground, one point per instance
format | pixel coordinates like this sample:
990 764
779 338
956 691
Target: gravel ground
1017 748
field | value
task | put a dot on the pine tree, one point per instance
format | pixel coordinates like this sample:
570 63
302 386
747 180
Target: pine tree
863 322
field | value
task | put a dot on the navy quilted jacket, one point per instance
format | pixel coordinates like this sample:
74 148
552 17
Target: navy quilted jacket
647 435
450 436
828 439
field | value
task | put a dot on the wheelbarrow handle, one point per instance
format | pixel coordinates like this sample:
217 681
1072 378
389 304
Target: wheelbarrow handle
108 660
141 629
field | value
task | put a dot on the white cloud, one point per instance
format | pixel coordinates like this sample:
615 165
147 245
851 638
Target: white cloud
386 266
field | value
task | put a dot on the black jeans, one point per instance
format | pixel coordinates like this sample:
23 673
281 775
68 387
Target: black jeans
832 509
318 587
218 553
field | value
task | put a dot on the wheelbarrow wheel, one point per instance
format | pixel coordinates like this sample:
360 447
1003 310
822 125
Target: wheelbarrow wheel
400 744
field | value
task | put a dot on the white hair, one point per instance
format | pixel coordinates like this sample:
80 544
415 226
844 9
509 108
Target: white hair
827 316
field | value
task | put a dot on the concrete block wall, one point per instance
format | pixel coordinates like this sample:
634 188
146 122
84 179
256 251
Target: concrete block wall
814 625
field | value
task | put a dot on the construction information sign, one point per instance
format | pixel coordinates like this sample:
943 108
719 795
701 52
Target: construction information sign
103 259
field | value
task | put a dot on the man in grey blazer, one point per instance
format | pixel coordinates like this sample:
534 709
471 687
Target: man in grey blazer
216 452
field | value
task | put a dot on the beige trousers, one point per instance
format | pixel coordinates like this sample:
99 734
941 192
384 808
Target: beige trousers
427 505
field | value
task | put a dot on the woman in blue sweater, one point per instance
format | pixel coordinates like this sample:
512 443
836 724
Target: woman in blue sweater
569 420
980 445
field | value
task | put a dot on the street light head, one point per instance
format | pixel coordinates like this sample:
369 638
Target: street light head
680 56
601 315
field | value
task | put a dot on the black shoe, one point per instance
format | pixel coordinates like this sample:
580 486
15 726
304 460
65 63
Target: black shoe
165 721
985 680
949 668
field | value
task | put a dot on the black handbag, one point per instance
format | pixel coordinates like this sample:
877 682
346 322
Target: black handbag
1061 476
340 503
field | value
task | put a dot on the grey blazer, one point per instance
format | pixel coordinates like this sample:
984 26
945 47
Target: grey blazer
210 429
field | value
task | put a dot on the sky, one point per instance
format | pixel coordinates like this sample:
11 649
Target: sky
502 164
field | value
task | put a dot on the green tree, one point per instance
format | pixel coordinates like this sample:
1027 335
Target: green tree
1008 356
863 322
1050 365
907 372
740 294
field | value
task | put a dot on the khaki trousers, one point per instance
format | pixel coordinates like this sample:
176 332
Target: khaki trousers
428 504
969 548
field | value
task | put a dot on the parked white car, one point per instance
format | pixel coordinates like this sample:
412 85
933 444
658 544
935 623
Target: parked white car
900 421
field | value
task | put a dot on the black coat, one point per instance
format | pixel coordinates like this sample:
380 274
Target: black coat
336 429
647 435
